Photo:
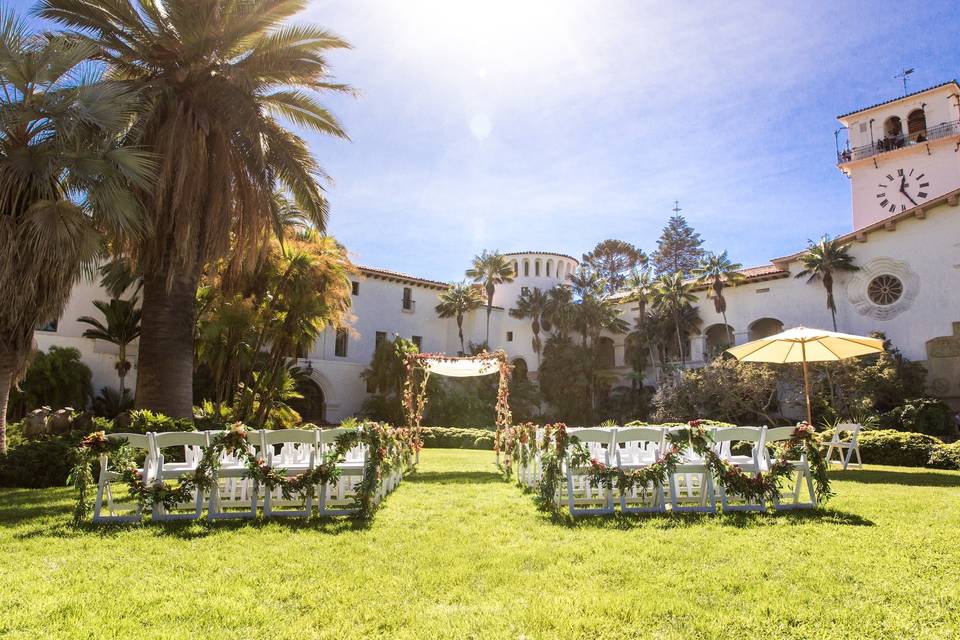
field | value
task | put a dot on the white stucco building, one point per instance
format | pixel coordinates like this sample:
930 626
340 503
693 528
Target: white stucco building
903 162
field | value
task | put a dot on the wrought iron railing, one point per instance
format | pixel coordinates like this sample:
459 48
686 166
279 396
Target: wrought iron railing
891 143
409 305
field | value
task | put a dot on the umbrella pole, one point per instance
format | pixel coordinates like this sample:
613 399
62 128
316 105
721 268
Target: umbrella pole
806 383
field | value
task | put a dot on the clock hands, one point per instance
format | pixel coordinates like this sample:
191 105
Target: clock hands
903 190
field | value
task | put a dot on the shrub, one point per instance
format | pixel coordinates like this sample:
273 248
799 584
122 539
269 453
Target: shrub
55 379
945 456
38 463
143 420
453 438
741 392
898 448
924 415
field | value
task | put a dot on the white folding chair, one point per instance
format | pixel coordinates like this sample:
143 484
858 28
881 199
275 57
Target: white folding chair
193 444
137 442
297 455
691 484
803 477
637 448
337 498
840 443
233 494
749 463
582 498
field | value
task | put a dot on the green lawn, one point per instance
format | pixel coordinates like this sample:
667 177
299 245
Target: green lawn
457 553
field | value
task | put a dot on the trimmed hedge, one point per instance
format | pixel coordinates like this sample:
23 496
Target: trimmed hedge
897 448
35 464
945 456
454 438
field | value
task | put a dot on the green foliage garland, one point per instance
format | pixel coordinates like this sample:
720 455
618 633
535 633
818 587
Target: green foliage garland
389 449
557 446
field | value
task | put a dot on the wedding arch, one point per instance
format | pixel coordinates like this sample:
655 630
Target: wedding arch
419 367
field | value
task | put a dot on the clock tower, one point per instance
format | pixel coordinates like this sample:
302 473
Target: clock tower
902 153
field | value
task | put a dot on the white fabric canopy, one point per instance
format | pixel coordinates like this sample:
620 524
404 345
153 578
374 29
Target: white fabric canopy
461 367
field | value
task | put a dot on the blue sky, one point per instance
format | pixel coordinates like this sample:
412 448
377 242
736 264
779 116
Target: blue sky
552 125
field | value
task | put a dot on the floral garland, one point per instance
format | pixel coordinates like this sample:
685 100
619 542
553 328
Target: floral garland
759 488
415 396
389 449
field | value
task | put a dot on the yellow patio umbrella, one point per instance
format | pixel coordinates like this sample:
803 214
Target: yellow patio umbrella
806 345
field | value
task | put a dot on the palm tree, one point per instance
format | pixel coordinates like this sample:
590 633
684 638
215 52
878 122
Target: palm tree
490 269
122 327
640 287
823 260
559 311
216 81
456 302
671 295
717 272
64 181
532 304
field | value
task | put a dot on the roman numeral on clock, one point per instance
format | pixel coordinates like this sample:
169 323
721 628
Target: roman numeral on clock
881 195
893 208
924 184
884 203
899 172
889 177
922 194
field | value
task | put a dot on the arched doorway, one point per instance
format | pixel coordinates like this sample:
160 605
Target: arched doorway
311 406
719 337
520 371
764 328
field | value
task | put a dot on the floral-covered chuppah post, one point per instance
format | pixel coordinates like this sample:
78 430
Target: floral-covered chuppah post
419 366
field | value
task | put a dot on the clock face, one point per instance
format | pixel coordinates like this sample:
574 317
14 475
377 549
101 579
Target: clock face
902 190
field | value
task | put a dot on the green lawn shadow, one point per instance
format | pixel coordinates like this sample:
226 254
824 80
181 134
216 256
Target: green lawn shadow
736 519
454 477
879 476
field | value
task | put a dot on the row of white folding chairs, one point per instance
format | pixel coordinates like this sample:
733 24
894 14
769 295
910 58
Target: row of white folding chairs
691 487
233 494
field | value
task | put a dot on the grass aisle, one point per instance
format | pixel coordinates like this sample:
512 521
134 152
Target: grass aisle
457 553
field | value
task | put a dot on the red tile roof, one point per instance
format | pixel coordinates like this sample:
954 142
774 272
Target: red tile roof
909 95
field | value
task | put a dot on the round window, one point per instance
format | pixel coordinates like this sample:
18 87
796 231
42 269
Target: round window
885 290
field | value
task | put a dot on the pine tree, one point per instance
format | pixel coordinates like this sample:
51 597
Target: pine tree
679 248
614 260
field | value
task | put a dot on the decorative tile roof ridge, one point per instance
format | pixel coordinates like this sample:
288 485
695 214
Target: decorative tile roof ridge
909 95
542 253
888 224
406 277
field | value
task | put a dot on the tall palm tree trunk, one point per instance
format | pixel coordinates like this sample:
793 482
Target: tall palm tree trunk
729 328
489 310
7 365
463 349
165 363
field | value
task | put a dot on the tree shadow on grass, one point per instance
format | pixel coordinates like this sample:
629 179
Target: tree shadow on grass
919 479
455 477
194 529
737 519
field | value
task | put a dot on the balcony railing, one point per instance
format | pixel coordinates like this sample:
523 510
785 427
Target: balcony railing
891 143
409 305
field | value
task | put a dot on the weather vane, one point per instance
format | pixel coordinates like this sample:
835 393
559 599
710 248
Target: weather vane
903 75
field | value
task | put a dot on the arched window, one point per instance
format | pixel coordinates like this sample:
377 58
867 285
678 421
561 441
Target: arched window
764 328
536 268
605 353
516 268
917 125
549 265
526 267
893 127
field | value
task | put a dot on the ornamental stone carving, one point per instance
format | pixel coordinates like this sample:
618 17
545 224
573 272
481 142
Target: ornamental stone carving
883 288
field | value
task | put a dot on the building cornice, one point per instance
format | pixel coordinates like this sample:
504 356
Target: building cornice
892 100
